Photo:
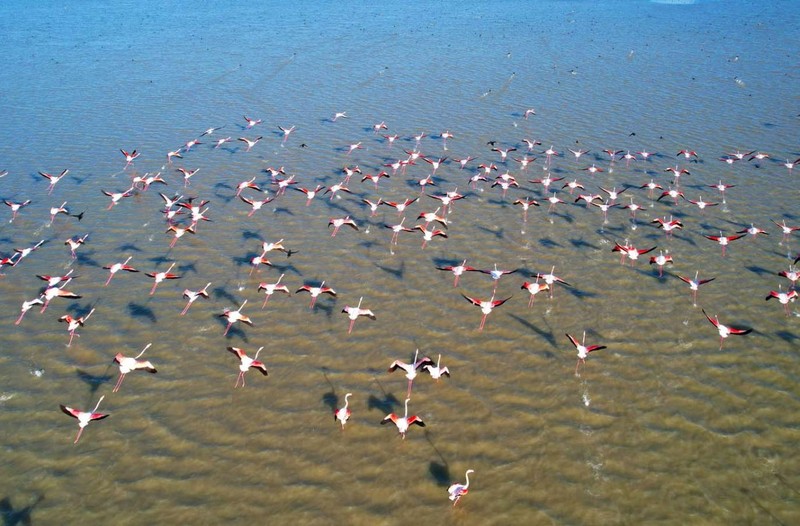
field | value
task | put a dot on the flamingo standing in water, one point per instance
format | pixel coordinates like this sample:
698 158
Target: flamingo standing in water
128 364
583 349
343 413
486 306
192 296
84 417
354 312
233 316
456 491
245 363
403 422
411 368
116 267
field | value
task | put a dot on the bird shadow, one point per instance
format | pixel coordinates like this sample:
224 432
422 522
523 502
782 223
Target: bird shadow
94 381
220 292
386 404
78 311
580 243
499 233
140 311
128 247
547 335
397 273
252 234
549 243
13 517
85 258
234 331
787 336
761 271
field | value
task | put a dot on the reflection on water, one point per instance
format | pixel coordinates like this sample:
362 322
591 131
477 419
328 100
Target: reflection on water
660 425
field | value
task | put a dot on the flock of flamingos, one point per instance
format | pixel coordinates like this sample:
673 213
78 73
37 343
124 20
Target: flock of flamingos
501 168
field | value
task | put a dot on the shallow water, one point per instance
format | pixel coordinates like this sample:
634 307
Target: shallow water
663 425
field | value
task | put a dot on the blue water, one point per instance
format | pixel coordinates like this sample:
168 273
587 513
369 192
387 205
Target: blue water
663 425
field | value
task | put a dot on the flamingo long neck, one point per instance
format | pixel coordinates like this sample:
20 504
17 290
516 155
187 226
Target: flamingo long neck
467 476
143 350
346 399
98 404
405 416
258 351
243 304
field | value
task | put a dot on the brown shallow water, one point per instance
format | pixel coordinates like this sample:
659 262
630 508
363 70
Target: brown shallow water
662 426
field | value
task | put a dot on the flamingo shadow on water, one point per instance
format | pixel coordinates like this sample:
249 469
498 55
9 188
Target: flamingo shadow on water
221 293
140 311
94 381
547 335
546 242
386 404
128 247
439 469
233 330
330 399
398 273
13 517
85 259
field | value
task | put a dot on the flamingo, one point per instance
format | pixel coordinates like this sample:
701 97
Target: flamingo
232 316
16 207
526 203
271 288
56 292
245 363
74 243
247 184
694 284
252 122
73 324
724 330
403 422
161 276
26 306
661 260
375 178
373 205
179 232
53 179
193 296
343 413
428 235
724 240
354 312
552 279
496 274
783 297
486 306
116 197
130 157
84 417
255 204
116 267
310 194
457 270
583 349
456 491
250 142
316 291
534 288
411 368
128 364
339 222
436 371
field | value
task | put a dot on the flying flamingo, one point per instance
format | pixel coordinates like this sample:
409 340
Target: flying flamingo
583 349
457 270
631 251
411 368
486 306
661 260
724 240
316 291
534 288
373 205
129 157
73 324
286 133
128 364
436 371
786 229
247 184
84 417
53 179
26 306
271 288
53 281
783 297
403 422
116 197
161 276
232 316
343 413
375 178
354 312
552 279
496 274
255 204
74 243
245 363
16 207
339 222
310 194
456 491
193 296
116 267
56 292
428 235
724 330
694 284
526 203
